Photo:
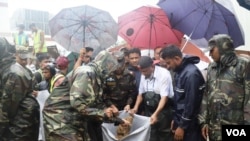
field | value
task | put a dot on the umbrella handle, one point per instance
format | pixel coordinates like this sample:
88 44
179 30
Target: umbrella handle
190 35
185 44
151 25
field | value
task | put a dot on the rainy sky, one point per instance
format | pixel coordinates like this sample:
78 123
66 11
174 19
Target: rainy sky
114 7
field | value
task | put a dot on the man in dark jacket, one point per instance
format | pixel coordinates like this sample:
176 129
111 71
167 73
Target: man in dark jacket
189 86
134 56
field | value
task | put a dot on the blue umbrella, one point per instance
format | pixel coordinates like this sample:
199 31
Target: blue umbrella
202 19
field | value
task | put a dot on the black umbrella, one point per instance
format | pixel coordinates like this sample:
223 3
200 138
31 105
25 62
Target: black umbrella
244 3
82 26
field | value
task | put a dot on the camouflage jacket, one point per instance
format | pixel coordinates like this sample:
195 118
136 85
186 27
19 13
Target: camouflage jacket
6 60
227 96
120 91
78 98
19 110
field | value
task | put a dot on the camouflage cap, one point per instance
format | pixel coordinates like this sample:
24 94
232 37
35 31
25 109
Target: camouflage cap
124 50
119 55
23 52
106 61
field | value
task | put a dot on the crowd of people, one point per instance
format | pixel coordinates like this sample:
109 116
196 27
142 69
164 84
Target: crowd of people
181 103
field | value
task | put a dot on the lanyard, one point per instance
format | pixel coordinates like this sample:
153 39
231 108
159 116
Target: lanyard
148 81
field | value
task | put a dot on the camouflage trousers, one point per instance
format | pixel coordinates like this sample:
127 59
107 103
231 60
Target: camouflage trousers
25 125
215 133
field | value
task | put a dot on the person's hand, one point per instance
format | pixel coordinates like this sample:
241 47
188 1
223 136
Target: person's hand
153 119
82 53
133 111
204 131
35 93
115 110
179 134
108 112
127 108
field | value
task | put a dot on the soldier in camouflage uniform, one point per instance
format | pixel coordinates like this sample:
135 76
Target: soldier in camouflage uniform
19 112
120 86
79 99
6 60
228 89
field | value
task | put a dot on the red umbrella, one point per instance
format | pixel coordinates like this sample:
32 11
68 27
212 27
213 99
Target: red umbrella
147 27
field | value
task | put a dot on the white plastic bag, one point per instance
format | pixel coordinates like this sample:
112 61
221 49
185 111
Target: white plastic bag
140 130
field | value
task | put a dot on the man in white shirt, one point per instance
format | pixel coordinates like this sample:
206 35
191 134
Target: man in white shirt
155 93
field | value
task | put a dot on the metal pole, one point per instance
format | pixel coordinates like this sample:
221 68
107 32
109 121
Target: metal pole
151 16
189 37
